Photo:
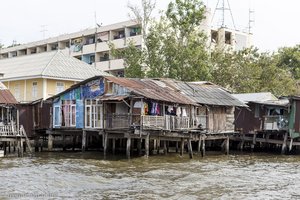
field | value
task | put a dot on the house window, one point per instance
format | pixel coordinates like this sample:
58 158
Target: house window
93 114
68 113
56 116
34 90
60 87
17 91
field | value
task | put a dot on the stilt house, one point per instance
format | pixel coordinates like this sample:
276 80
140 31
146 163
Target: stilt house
143 108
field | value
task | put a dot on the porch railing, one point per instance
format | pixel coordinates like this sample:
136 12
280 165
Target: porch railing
115 121
278 122
167 122
8 130
153 122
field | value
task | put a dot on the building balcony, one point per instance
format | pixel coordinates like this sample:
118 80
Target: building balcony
88 49
103 65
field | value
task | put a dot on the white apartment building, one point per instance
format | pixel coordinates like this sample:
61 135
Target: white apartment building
91 45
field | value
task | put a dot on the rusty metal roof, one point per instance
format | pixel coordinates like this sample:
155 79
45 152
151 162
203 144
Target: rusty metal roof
6 96
203 93
152 89
113 97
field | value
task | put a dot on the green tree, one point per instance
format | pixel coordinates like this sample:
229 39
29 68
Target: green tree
181 45
250 71
289 58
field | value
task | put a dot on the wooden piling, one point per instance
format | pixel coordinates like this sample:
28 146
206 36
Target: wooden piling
158 146
128 145
64 142
105 141
181 146
147 141
165 147
227 146
50 142
199 144
190 148
83 143
203 147
139 146
114 146
177 146
284 144
291 144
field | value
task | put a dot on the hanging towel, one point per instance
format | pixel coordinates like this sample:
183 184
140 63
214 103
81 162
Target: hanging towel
178 111
184 112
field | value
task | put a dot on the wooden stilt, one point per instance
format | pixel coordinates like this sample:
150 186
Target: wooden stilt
203 147
147 141
36 143
114 146
50 142
291 145
105 141
158 146
199 144
165 147
64 142
4 148
21 147
253 141
227 145
74 142
128 147
182 147
284 144
190 148
9 146
177 147
83 143
168 146
139 146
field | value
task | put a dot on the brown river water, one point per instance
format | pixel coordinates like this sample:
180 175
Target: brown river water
89 176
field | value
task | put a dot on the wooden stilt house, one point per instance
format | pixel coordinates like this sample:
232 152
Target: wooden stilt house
143 109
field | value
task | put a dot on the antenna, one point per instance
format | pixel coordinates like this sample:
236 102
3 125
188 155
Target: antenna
251 21
44 30
223 8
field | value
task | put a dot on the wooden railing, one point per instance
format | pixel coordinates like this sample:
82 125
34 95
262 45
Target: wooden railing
116 121
153 122
277 122
8 130
167 122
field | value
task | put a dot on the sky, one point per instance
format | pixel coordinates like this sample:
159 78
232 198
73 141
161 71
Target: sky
23 20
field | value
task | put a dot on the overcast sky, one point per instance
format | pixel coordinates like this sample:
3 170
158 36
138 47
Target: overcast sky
276 21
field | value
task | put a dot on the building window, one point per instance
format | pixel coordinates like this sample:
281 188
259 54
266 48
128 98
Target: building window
93 114
60 87
68 113
34 90
17 91
56 116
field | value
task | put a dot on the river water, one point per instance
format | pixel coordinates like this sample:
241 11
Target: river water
89 176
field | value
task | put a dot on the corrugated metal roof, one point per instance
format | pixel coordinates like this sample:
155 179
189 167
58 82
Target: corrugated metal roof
55 64
170 90
256 97
208 94
151 89
5 95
